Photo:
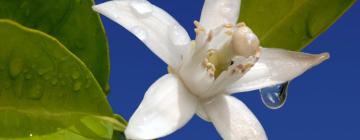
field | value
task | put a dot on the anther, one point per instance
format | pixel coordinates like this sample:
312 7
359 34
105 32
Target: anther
228 25
198 28
241 24
211 52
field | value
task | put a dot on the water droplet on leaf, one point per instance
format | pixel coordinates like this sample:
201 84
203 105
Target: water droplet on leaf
28 76
141 7
36 92
77 86
54 81
75 75
139 32
15 67
274 97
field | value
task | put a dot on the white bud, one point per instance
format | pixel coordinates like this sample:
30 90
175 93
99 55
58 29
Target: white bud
244 42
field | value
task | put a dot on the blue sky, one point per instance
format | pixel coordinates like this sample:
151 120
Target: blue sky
323 103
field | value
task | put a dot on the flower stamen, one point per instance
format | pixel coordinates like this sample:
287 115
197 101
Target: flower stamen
198 27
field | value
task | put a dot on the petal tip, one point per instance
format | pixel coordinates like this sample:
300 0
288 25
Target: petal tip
96 8
324 56
321 58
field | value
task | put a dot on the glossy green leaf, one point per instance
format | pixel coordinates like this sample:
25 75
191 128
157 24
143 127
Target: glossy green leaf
72 22
46 92
291 24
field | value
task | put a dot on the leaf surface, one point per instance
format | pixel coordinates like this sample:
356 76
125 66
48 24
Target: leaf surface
291 24
72 22
46 92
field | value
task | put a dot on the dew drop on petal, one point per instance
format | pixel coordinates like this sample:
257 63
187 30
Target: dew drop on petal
274 97
139 32
141 7
178 36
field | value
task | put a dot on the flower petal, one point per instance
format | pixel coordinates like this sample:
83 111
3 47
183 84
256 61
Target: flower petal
156 28
233 120
276 66
166 107
219 12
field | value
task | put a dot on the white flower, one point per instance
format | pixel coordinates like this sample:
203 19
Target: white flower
224 58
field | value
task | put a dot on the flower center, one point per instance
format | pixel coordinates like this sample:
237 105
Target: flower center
241 44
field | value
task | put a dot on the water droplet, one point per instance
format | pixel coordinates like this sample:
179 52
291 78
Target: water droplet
178 36
28 76
7 85
77 86
61 75
63 83
33 66
36 92
15 67
75 75
47 77
54 82
274 97
141 7
42 71
88 83
139 32
106 87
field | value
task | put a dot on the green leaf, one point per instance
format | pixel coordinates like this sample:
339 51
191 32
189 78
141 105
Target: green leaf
291 24
72 22
46 92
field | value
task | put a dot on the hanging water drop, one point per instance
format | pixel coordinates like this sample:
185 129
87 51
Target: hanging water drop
274 97
141 7
139 32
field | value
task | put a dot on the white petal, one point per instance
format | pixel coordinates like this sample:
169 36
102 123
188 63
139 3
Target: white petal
219 12
156 28
276 66
233 120
202 114
166 107
193 72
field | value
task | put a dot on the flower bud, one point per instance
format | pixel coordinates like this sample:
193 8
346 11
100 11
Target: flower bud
244 42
